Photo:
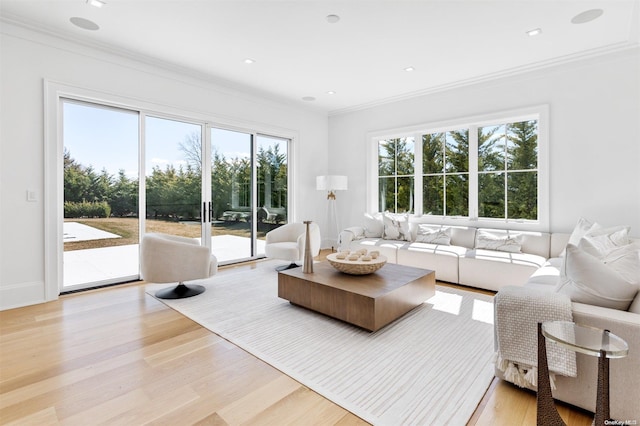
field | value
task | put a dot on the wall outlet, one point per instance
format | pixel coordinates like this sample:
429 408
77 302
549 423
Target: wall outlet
32 196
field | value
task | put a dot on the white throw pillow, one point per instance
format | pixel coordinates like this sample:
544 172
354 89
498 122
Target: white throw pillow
509 243
582 227
587 279
373 227
434 234
396 226
601 241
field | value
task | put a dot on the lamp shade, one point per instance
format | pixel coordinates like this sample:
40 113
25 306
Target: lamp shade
331 183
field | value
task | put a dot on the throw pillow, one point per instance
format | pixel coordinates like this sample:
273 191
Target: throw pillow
582 227
508 243
433 234
396 227
587 279
373 227
601 241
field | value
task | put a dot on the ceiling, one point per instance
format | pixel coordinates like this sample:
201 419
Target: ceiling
362 57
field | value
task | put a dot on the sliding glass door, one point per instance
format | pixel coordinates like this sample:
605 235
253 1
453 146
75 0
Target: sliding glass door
272 159
225 188
249 195
100 228
232 209
173 177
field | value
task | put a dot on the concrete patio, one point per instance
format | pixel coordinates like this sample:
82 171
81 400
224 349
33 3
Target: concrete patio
120 263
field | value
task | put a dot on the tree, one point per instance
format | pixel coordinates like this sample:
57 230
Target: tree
192 149
395 169
522 161
272 177
123 196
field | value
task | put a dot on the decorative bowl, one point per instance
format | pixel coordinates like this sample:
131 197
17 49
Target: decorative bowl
356 267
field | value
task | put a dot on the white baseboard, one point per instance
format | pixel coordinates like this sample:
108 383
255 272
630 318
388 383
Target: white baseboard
21 294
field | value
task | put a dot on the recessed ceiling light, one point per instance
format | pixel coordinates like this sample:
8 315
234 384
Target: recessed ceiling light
309 98
249 61
587 16
332 19
96 3
534 32
85 24
409 69
331 92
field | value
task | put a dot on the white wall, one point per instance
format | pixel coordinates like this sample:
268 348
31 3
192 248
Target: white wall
28 58
594 137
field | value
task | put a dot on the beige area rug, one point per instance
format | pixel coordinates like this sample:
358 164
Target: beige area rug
430 367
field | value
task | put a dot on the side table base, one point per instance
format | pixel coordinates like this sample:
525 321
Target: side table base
547 413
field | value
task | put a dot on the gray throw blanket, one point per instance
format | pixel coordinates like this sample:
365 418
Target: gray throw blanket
518 310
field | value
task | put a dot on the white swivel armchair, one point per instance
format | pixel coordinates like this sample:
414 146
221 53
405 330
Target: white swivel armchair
170 258
287 243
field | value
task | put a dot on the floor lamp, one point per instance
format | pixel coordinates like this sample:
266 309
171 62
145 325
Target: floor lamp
331 184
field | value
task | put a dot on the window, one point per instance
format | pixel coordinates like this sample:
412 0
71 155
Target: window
483 169
395 174
507 170
445 180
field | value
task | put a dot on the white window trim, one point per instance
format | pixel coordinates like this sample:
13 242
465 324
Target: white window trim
539 112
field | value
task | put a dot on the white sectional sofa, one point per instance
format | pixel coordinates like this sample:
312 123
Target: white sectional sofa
460 262
537 266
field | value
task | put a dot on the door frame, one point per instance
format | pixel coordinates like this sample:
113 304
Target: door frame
53 141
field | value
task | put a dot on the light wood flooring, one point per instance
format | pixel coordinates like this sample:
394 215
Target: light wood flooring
118 356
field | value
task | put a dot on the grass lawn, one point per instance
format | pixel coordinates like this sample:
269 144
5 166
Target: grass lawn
127 228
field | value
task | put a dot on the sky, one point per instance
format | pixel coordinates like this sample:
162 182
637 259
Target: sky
106 137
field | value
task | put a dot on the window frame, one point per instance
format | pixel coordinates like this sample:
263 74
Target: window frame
537 112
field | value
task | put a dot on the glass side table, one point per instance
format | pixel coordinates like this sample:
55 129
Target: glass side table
578 338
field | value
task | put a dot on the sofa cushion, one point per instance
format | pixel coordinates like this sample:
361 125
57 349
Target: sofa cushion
440 258
546 277
492 269
387 248
601 282
635 305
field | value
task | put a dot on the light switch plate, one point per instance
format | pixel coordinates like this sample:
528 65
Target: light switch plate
32 196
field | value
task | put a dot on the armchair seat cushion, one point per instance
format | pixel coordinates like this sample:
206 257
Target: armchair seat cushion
284 250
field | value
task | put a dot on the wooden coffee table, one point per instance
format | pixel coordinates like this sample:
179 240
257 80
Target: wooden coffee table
368 301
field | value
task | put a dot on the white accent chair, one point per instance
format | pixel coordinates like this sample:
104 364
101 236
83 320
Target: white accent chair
287 243
170 258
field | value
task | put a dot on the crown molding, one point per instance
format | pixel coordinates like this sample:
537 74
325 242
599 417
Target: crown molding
512 72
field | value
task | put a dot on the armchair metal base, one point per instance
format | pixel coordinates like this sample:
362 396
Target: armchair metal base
285 267
181 291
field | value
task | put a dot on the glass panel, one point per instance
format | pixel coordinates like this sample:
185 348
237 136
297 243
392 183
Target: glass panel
387 158
405 195
387 189
457 190
173 177
522 147
272 170
405 149
491 195
491 147
433 195
100 195
433 153
522 190
231 196
457 151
